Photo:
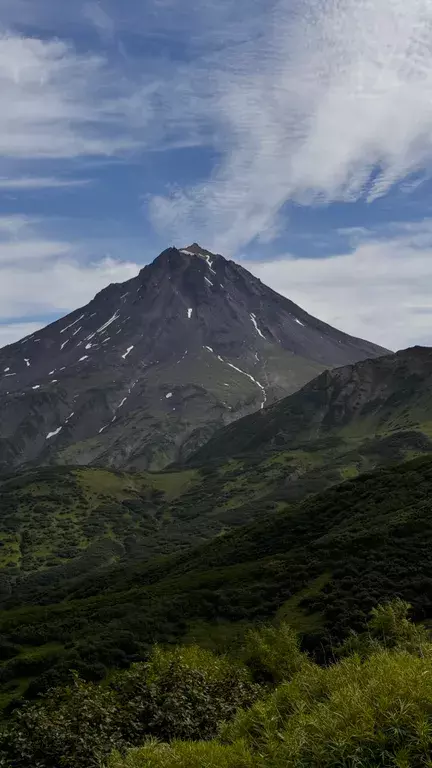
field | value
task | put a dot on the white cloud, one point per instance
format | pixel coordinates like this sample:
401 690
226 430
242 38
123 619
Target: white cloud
334 102
10 332
44 287
13 225
381 291
60 103
41 277
41 182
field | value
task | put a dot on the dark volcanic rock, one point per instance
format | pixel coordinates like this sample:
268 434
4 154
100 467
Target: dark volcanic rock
148 370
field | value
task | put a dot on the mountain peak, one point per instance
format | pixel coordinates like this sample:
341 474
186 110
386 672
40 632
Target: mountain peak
149 369
196 249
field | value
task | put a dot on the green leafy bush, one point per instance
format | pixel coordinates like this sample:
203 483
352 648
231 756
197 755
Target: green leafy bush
388 627
75 726
184 693
272 653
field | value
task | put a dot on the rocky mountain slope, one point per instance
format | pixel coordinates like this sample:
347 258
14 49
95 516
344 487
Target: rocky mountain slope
388 399
151 368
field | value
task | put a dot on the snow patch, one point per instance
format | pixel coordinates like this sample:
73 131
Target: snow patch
77 331
51 372
54 381
209 348
70 416
88 346
72 324
64 344
253 318
249 377
189 253
27 362
112 319
209 262
85 357
6 370
299 322
208 281
122 402
128 351
256 356
53 434
102 428
190 310
36 386
10 374
170 394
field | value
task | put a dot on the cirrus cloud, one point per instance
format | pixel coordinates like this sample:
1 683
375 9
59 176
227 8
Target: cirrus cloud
334 102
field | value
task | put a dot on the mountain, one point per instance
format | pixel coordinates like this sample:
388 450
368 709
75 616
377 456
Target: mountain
384 404
151 368
59 523
321 565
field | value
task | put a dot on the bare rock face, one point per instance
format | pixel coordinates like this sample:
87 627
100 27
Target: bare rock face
151 368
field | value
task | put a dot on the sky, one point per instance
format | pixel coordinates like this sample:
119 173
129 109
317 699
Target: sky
294 136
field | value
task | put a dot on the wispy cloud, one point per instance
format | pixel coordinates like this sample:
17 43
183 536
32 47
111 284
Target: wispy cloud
101 20
60 103
41 182
333 102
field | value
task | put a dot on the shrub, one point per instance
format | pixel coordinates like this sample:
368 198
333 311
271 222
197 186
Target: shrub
77 727
371 713
388 627
184 693
272 653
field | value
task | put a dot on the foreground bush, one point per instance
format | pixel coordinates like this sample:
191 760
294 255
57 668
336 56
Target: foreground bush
367 714
183 693
376 712
370 710
273 653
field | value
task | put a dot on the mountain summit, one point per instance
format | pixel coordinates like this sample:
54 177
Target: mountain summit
151 368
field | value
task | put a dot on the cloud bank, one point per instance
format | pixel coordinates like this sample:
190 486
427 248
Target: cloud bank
381 291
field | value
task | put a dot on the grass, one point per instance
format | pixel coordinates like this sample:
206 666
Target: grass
299 619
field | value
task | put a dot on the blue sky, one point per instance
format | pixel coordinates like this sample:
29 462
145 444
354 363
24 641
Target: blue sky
295 137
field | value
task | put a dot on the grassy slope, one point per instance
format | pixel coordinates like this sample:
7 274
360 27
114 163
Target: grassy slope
344 423
321 564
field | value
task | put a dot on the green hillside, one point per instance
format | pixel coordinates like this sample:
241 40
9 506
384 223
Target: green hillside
59 523
379 406
321 565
